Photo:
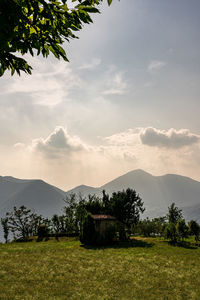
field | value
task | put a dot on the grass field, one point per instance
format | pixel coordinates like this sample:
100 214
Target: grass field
145 269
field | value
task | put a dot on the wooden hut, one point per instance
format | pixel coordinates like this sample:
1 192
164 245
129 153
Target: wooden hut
103 222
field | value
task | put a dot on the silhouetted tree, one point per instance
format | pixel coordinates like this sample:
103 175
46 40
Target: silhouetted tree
55 224
174 214
88 233
42 232
105 201
194 229
170 232
159 225
126 206
94 205
145 227
21 222
182 229
70 214
80 213
4 223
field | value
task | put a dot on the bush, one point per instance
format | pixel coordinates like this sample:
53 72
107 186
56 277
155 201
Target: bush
170 232
194 229
182 229
123 236
42 232
88 234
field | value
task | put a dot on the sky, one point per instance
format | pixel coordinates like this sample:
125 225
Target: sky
128 99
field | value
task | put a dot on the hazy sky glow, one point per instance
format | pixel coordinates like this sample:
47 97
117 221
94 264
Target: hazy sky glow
129 98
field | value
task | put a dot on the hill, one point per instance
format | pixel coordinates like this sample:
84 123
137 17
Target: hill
37 195
157 192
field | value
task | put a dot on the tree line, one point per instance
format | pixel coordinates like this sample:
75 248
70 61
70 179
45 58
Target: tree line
126 206
172 227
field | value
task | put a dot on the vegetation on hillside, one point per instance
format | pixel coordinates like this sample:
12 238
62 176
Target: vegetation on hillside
126 206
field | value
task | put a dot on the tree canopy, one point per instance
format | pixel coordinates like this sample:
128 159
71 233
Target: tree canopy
126 206
174 214
39 26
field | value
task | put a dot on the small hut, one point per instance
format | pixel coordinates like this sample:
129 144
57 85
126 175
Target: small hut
103 222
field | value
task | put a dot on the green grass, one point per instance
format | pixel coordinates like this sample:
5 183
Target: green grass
145 269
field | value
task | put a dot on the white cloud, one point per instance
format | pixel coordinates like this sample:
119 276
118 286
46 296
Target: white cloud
67 160
171 138
19 146
156 65
59 142
116 85
128 137
48 85
95 62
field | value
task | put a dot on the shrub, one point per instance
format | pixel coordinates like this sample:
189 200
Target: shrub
170 232
194 229
88 234
182 229
42 232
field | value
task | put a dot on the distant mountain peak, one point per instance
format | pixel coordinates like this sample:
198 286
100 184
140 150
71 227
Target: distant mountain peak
138 172
83 186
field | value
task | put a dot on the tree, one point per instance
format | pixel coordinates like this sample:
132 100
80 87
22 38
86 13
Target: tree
42 232
182 229
39 26
194 229
145 227
88 233
4 223
126 206
95 205
80 213
56 224
174 214
70 214
159 225
170 232
22 222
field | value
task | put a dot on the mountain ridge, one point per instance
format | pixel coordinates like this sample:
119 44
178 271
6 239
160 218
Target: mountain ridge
157 192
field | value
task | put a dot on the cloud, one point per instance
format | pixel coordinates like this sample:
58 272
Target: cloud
127 137
95 62
156 65
59 142
116 85
48 85
169 139
19 146
67 159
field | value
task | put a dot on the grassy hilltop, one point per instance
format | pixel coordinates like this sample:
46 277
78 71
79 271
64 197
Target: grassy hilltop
144 269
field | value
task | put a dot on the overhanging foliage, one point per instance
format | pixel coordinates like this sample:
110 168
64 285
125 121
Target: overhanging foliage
39 26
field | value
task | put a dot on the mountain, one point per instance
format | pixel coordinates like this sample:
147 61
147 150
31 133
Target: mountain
43 198
157 192
85 190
